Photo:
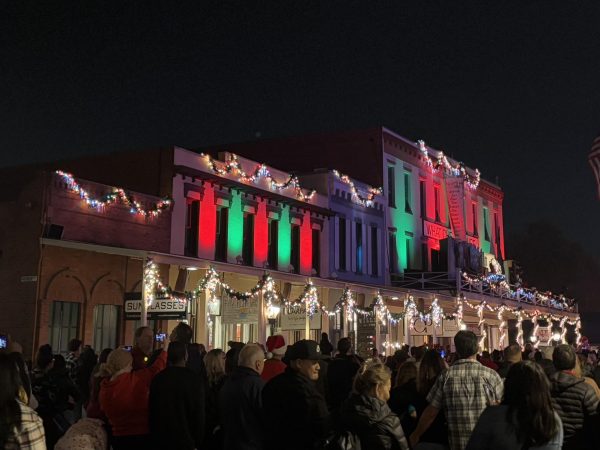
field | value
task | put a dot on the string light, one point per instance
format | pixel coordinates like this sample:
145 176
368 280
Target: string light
534 334
482 330
457 170
233 165
563 330
117 195
520 328
502 326
357 197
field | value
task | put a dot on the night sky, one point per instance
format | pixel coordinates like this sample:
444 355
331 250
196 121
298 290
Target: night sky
513 90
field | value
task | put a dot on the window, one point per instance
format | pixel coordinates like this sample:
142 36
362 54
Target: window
474 216
407 193
64 325
221 239
295 254
497 228
191 228
423 198
342 243
374 253
316 252
391 187
393 253
359 248
106 326
408 248
273 238
486 233
438 202
248 239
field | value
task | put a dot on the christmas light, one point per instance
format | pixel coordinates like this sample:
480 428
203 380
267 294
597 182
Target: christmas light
520 328
502 326
357 197
534 334
457 170
482 330
233 166
117 195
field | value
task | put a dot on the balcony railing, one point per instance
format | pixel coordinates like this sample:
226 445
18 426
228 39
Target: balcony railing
424 281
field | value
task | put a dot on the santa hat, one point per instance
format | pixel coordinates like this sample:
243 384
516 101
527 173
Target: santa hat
276 345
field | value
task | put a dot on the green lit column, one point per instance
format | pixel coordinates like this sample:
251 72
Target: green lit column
284 240
235 228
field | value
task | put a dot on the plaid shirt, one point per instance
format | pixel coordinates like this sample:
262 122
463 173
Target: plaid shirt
463 392
71 364
31 434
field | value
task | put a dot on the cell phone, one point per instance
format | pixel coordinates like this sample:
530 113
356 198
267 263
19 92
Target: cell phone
443 353
3 341
127 347
160 337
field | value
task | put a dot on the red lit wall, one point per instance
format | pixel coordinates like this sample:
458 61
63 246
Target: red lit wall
261 234
207 223
306 245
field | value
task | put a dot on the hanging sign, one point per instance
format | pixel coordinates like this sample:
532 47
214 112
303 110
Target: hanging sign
421 328
435 231
449 327
239 311
544 335
295 319
162 308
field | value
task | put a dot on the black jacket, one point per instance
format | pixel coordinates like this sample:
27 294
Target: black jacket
374 422
240 410
340 376
575 401
176 409
296 411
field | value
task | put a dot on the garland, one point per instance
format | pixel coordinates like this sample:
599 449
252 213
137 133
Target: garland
357 197
233 166
117 195
443 163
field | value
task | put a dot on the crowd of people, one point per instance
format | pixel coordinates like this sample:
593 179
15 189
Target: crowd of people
306 396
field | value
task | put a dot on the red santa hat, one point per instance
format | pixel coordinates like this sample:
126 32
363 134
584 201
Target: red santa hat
276 345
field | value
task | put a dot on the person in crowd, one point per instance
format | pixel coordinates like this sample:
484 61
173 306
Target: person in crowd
66 394
486 360
528 352
573 399
512 355
196 351
525 419
20 426
274 365
124 398
582 371
497 357
231 360
341 372
399 358
325 345
403 397
240 402
294 396
72 358
546 362
85 367
417 354
214 361
25 391
366 412
462 392
184 333
176 404
143 342
92 408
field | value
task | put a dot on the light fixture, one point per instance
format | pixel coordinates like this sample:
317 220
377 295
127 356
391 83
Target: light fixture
556 337
463 326
191 269
273 312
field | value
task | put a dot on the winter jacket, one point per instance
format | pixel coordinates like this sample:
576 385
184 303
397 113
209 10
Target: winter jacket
295 399
340 376
273 367
495 432
374 422
240 405
575 401
124 400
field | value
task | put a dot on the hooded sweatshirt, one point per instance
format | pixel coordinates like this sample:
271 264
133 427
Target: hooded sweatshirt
374 422
574 400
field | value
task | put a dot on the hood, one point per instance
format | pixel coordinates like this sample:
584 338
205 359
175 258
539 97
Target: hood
563 381
362 411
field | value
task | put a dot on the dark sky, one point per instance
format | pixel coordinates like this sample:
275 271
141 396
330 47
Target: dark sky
513 90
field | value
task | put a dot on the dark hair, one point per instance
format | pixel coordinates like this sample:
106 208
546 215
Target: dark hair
564 357
182 333
44 357
497 356
527 394
537 356
344 345
466 344
231 360
104 355
23 371
59 362
176 352
400 357
419 352
74 345
431 366
140 330
10 411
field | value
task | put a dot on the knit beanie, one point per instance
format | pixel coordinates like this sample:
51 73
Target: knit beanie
117 360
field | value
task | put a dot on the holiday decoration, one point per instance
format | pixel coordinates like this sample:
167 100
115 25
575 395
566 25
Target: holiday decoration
117 195
481 325
357 197
442 163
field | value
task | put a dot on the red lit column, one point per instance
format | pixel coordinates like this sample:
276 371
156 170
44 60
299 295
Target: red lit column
306 245
207 224
261 234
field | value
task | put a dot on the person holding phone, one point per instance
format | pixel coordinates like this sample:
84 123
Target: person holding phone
142 348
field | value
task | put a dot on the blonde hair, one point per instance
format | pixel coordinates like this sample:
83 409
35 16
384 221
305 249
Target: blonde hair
214 361
371 374
117 360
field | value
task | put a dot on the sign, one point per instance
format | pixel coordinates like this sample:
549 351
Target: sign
544 334
420 328
295 319
365 334
435 231
29 279
449 327
240 311
161 308
214 307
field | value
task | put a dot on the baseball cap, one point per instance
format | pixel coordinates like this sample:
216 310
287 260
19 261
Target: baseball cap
303 349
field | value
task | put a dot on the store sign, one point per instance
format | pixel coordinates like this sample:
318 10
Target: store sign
366 326
421 328
295 319
449 327
161 308
544 334
214 307
240 311
435 231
